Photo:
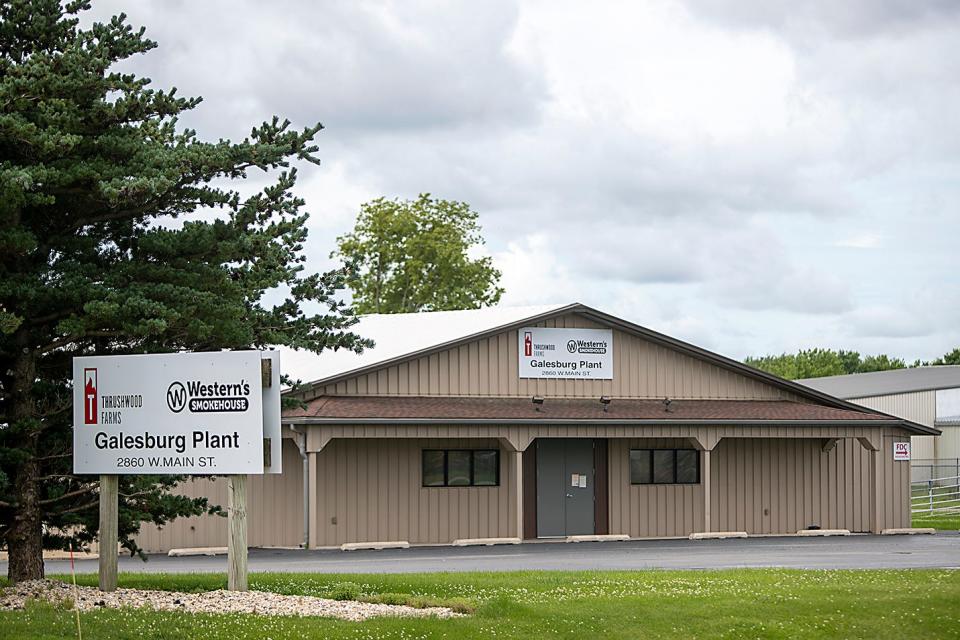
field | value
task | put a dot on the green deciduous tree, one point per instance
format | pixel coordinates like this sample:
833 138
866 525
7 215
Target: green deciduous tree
414 256
948 358
101 252
816 363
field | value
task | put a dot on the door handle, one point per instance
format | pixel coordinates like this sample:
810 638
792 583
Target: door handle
569 495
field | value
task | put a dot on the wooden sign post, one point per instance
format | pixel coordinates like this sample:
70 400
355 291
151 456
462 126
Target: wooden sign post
237 533
108 532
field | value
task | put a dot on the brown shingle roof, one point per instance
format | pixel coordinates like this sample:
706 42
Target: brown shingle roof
513 409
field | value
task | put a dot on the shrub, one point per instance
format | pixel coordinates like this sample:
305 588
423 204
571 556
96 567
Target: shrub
345 591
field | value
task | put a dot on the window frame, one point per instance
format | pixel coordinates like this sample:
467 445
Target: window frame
652 476
473 468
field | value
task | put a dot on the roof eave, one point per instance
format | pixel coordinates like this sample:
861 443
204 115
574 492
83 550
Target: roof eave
307 420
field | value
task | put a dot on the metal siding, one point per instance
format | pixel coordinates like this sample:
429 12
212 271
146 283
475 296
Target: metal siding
359 497
811 487
489 367
368 480
650 510
920 407
275 516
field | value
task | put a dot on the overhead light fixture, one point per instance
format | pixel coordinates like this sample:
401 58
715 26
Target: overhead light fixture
605 401
537 401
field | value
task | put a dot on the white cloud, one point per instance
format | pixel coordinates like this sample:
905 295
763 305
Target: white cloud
862 241
704 167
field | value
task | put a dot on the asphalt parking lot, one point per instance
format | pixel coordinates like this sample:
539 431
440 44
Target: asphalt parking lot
941 550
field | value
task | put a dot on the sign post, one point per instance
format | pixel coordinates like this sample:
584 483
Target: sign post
212 413
108 531
237 533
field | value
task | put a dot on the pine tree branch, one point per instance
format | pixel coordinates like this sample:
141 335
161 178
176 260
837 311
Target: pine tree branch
64 341
69 494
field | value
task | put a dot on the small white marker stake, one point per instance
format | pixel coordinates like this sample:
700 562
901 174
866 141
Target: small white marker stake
76 593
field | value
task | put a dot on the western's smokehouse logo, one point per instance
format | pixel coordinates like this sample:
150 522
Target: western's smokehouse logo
587 346
212 397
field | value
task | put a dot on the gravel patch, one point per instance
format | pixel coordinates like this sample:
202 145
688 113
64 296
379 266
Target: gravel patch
256 602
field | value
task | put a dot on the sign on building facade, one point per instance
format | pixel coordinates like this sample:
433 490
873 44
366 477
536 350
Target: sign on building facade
566 353
901 450
183 413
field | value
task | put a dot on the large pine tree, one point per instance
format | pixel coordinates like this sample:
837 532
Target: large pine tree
102 252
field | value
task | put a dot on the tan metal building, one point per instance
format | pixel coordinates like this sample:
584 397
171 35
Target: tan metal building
552 422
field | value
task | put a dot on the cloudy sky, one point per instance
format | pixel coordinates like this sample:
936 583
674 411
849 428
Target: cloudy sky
754 176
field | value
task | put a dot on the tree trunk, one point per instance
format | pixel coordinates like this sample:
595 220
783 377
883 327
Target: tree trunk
25 537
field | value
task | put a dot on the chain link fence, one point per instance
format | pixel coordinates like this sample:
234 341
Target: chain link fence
926 470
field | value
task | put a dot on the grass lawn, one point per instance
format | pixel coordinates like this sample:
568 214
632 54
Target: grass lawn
760 603
940 521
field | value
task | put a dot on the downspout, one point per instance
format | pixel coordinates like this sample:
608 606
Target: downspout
302 447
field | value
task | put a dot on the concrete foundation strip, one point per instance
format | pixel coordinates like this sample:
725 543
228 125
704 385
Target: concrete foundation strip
489 542
823 532
358 546
197 551
909 531
598 538
717 535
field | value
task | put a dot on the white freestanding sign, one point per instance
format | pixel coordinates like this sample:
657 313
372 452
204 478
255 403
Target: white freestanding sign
566 353
183 413
271 414
901 450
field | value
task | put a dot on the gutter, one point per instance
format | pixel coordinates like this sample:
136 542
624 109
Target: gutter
611 421
302 447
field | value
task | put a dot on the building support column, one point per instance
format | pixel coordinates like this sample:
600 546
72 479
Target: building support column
876 492
706 491
312 510
874 446
518 490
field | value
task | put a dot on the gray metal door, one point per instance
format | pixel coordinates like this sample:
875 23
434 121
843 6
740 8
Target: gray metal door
564 487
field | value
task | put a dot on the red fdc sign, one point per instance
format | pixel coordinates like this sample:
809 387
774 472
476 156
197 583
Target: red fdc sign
89 396
901 450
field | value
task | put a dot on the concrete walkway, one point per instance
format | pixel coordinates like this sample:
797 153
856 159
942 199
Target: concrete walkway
853 552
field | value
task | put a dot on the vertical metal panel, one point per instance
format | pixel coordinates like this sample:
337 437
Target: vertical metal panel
362 506
489 367
650 510
921 407
367 486
275 511
806 486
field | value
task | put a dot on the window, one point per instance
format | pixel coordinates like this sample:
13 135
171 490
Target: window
461 468
433 464
664 466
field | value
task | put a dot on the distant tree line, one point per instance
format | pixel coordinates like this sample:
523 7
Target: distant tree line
816 363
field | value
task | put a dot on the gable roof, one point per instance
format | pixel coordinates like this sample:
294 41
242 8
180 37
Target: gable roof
882 383
408 336
397 335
